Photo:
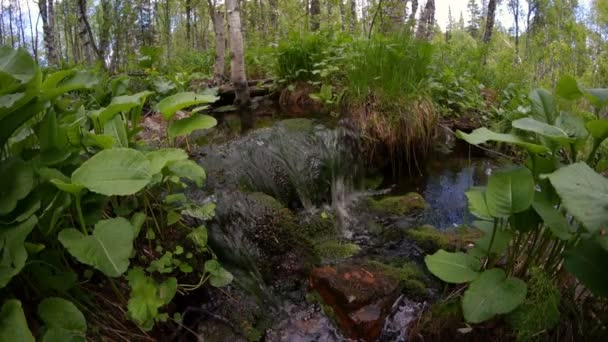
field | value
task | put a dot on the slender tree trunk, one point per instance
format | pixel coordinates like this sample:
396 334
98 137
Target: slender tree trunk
1 24
342 15
33 36
412 18
188 21
315 11
237 65
21 28
10 24
86 34
217 17
487 36
46 12
168 28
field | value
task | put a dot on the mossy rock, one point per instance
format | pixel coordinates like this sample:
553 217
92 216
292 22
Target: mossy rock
334 249
297 125
318 226
267 200
431 239
411 277
398 205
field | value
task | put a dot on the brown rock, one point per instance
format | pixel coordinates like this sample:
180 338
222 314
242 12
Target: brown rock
360 295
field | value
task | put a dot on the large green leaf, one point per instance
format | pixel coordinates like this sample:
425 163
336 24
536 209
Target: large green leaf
567 87
116 128
543 106
500 242
17 67
218 276
491 294
509 191
483 135
171 104
108 249
13 325
16 182
119 104
476 199
147 297
584 194
117 171
454 268
188 125
187 169
598 129
11 123
12 250
63 321
160 158
557 223
598 97
544 129
65 81
587 261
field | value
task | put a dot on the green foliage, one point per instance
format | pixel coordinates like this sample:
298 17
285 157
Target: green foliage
527 214
72 122
108 249
492 293
454 268
169 105
540 311
147 297
13 325
62 320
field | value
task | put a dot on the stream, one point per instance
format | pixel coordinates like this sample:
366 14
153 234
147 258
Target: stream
314 247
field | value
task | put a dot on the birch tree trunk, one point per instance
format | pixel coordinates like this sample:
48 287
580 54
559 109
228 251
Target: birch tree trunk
86 35
237 64
46 12
353 15
487 36
217 17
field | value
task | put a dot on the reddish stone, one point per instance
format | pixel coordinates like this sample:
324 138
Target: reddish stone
360 295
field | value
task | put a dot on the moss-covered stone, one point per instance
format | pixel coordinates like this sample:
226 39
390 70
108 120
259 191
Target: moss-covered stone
321 225
267 200
313 297
335 249
410 275
398 205
431 239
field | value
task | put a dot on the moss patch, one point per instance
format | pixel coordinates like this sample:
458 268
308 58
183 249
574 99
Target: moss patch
398 205
410 275
335 249
431 239
314 297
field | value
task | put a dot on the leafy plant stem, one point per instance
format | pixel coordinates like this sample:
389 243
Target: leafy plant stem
80 215
200 283
117 291
494 228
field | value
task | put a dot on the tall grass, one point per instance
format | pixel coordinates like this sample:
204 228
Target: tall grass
298 54
387 82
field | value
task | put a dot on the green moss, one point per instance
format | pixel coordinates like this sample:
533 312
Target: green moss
373 182
267 200
263 122
297 125
313 297
429 238
335 249
398 205
540 311
409 274
319 226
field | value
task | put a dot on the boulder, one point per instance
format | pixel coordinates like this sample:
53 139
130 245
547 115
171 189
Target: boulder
360 296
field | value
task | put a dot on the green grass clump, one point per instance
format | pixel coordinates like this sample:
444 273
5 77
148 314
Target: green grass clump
298 54
540 311
429 238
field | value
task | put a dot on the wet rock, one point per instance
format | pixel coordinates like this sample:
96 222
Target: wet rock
307 324
360 296
398 205
217 331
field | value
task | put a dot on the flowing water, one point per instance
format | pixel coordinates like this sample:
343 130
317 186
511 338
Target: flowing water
313 169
